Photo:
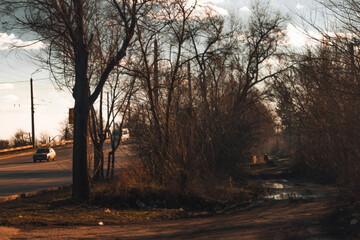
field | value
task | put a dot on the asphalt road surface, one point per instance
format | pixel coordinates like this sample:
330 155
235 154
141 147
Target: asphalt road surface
19 174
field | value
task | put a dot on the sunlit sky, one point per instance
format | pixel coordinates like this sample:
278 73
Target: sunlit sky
51 104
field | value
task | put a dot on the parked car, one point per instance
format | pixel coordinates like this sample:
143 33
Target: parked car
125 134
44 154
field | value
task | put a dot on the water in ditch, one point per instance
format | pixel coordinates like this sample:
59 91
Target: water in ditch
285 190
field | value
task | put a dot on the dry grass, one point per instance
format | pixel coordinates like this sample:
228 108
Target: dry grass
130 198
57 208
114 204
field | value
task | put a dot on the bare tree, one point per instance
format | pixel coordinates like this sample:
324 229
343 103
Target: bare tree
85 40
21 138
4 144
318 99
118 98
44 138
66 130
191 120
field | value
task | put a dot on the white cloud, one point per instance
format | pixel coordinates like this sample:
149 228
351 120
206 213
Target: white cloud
10 41
245 9
9 98
296 37
203 6
6 86
300 6
219 10
212 1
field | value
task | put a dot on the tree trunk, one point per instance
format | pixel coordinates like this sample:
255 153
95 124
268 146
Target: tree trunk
97 161
98 143
81 189
112 165
81 92
108 165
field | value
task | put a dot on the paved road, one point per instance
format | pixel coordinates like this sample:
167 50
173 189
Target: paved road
19 174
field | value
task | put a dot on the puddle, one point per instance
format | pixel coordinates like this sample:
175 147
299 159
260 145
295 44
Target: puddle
285 196
284 190
293 195
278 185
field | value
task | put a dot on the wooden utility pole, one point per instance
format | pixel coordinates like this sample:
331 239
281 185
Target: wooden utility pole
32 113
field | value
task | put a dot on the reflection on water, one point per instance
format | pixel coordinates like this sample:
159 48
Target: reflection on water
284 196
283 190
293 195
276 185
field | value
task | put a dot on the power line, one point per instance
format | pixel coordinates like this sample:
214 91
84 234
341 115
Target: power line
40 79
16 74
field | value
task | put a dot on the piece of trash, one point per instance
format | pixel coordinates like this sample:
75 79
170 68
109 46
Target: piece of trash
354 221
140 204
101 224
107 210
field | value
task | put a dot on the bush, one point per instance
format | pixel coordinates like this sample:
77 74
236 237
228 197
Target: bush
201 153
4 144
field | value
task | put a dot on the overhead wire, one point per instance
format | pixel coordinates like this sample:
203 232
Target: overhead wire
25 81
16 74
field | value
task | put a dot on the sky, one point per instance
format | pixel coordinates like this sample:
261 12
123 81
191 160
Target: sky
52 105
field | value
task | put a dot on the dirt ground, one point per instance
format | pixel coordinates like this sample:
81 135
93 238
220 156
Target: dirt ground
271 220
292 218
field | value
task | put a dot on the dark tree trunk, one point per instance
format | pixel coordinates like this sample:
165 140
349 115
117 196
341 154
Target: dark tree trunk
98 142
97 161
81 91
81 189
108 165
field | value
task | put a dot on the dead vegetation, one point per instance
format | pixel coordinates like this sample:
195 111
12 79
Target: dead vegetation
55 208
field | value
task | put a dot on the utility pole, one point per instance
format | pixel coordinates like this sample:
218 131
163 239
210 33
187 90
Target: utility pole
32 109
107 103
108 111
32 113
